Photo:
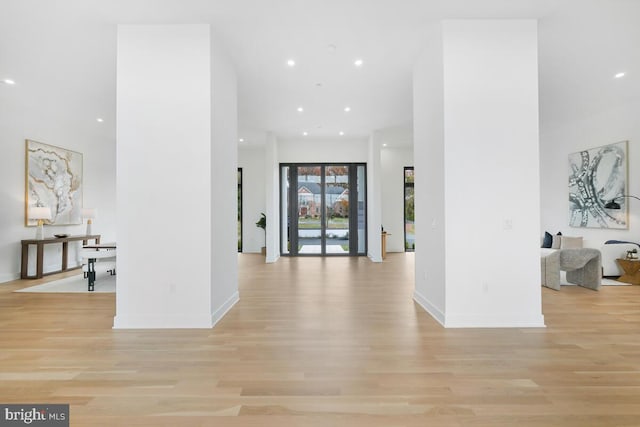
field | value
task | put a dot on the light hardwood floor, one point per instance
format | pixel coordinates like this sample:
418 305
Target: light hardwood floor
326 342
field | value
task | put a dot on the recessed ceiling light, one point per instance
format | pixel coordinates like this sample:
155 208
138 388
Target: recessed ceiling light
347 109
241 140
358 62
619 75
304 134
341 133
300 109
9 81
291 63
384 145
99 120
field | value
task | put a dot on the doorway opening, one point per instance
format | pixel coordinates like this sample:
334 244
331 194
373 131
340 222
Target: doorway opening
323 209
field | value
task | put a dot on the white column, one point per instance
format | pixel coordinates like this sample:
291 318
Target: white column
169 228
374 194
488 184
272 189
429 167
224 182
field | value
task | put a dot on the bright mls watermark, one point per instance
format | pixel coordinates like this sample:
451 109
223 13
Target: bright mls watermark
41 415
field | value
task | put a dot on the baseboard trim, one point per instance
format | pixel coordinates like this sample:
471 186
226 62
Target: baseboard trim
224 309
46 269
374 257
509 320
9 277
434 311
176 321
162 322
271 260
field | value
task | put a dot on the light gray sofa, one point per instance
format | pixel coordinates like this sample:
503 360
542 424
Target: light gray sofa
583 267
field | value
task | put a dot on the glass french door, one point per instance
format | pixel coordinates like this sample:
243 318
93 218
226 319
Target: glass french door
323 209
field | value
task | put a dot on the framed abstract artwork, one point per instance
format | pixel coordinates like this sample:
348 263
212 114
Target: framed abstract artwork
53 180
598 176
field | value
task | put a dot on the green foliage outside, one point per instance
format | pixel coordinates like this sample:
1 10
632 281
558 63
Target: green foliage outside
409 205
314 223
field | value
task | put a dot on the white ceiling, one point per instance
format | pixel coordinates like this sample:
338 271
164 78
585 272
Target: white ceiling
67 50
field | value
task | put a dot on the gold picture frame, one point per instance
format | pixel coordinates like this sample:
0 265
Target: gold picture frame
53 178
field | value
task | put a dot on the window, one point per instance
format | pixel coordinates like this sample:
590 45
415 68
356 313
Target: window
239 209
409 214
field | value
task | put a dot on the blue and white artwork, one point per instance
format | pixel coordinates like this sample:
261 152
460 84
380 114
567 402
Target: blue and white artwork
597 177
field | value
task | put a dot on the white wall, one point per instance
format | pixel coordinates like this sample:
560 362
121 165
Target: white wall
559 140
322 151
57 110
169 150
393 160
251 160
490 175
428 147
224 182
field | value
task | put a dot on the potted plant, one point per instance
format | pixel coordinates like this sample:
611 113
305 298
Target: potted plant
262 223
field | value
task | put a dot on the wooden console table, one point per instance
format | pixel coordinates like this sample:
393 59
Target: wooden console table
40 253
